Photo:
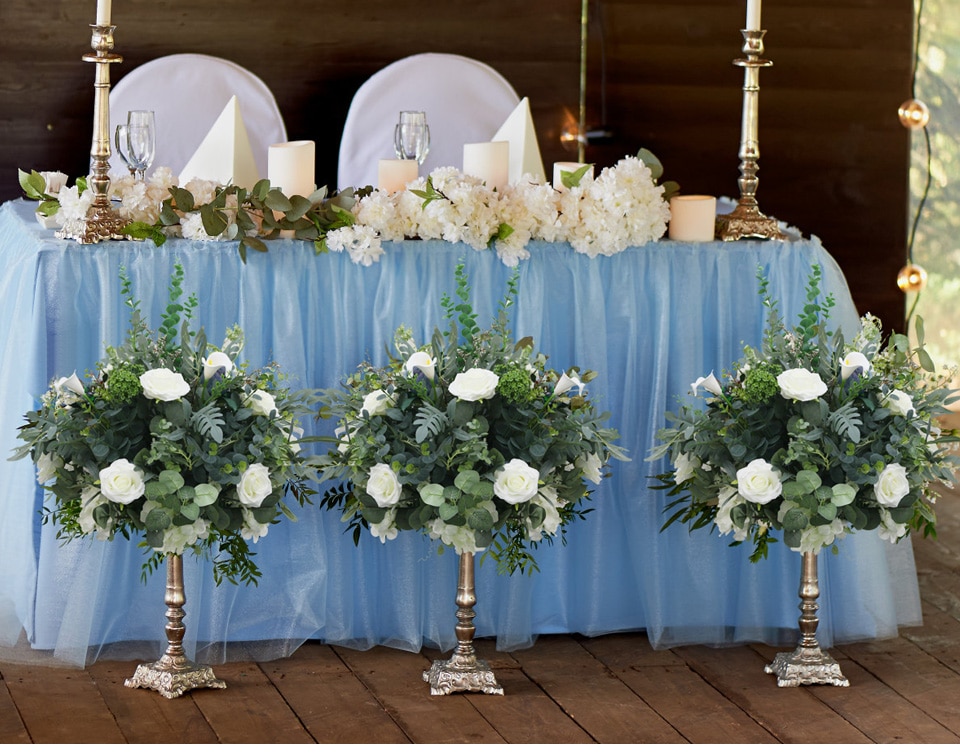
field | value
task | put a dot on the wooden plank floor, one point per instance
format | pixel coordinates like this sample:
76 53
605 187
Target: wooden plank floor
565 689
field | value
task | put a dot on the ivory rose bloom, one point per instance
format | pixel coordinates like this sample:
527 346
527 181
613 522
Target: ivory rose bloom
122 482
420 361
759 482
163 385
376 402
214 362
892 485
384 485
475 384
853 361
899 403
515 482
800 384
261 402
255 485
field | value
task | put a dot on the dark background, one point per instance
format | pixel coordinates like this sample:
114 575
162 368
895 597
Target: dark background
834 157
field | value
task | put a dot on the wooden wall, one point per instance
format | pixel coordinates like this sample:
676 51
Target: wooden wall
834 158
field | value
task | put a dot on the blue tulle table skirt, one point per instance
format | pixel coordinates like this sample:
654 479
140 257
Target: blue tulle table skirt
649 320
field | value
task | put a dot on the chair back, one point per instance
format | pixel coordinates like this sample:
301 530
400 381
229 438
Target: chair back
465 101
187 92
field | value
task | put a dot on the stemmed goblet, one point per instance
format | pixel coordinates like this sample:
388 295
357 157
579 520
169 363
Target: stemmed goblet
136 141
411 136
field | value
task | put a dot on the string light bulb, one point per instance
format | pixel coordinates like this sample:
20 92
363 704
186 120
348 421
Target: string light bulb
911 278
914 114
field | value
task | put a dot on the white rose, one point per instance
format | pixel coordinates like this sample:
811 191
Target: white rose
475 384
899 403
251 530
384 485
516 482
853 361
163 385
800 384
724 518
759 482
69 390
122 482
420 361
261 402
386 529
214 362
892 485
709 383
685 465
255 485
47 466
591 466
567 383
376 403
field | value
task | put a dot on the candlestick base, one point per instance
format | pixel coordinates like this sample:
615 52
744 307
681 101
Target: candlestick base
747 222
101 223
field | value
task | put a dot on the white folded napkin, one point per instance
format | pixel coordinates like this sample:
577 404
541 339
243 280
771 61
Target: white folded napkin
524 148
224 155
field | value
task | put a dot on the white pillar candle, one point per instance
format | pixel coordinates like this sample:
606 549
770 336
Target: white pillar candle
103 12
489 161
394 175
291 166
693 217
753 15
560 168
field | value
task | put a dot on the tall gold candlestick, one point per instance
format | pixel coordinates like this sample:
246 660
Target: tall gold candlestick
102 221
746 220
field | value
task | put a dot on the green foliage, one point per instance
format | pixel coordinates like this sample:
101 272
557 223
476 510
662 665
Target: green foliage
812 436
416 450
203 466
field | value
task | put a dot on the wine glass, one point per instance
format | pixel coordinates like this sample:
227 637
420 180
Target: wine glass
411 136
136 141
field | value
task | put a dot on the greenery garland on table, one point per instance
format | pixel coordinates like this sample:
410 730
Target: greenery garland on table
624 206
173 439
812 436
470 439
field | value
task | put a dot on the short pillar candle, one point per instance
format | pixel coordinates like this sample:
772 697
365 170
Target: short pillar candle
693 217
394 175
488 161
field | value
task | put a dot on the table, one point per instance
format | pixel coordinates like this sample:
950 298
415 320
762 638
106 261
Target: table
649 320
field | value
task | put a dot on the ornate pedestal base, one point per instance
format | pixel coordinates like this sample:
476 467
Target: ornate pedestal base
747 222
806 667
808 664
463 672
174 674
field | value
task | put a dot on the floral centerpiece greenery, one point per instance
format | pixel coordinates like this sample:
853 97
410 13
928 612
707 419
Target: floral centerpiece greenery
624 206
812 436
171 438
470 439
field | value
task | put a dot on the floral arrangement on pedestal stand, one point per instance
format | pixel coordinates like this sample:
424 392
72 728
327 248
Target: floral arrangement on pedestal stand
171 438
472 440
812 436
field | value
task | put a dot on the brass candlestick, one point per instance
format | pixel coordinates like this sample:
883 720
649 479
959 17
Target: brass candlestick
102 221
173 674
463 672
746 220
808 664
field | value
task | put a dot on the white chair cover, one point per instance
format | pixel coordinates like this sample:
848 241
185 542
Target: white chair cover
187 92
465 101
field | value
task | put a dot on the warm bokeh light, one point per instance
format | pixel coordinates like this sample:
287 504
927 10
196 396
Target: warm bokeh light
914 114
911 278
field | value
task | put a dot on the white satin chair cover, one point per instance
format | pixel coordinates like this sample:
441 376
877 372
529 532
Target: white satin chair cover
187 92
465 101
